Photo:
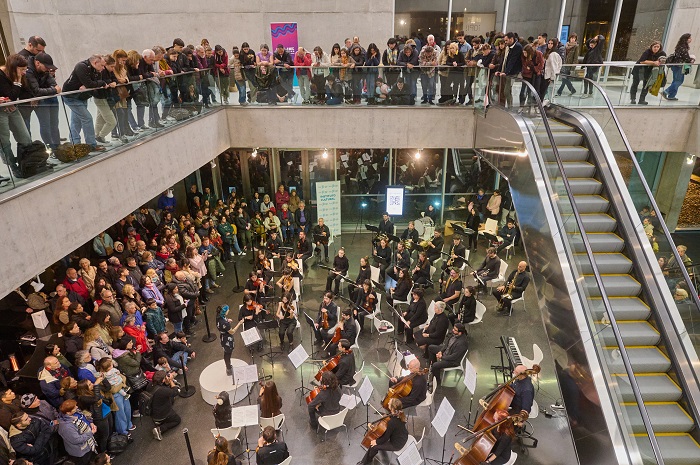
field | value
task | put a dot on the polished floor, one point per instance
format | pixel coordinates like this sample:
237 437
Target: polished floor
307 447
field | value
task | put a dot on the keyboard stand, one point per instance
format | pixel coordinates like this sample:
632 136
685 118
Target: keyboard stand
502 368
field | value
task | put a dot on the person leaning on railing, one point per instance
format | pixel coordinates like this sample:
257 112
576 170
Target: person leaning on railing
10 119
594 56
651 57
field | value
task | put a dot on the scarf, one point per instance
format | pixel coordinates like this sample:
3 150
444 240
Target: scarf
344 71
60 373
82 424
392 56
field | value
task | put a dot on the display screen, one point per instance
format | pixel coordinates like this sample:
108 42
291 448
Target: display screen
394 200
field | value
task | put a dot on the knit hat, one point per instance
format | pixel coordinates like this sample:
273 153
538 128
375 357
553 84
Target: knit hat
27 400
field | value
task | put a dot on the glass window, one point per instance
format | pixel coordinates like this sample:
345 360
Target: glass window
420 170
363 171
230 166
419 19
290 170
259 171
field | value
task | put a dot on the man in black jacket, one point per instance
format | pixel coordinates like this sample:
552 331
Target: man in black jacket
341 265
329 308
419 387
519 280
512 66
284 62
489 268
348 332
175 352
270 451
30 439
41 82
346 366
303 246
164 392
435 244
436 330
85 75
302 217
322 236
415 315
450 353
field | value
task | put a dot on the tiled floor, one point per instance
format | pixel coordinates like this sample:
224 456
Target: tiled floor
555 446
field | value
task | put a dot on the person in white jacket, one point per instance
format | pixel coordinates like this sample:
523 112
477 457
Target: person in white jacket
552 66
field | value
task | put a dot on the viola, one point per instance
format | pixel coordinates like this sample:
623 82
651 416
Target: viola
336 337
402 388
330 365
324 321
316 391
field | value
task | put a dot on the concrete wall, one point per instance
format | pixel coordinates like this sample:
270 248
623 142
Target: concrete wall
685 18
74 30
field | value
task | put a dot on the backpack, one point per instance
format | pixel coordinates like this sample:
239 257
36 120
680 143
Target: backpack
117 443
146 402
32 158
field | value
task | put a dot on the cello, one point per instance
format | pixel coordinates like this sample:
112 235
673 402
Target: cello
330 365
313 393
500 399
402 388
376 429
484 441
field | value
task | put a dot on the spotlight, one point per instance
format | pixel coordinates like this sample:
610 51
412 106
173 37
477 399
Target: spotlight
363 204
255 153
690 159
436 203
325 154
418 154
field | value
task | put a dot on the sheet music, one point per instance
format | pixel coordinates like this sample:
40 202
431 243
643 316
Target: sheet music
410 456
349 401
443 417
344 157
298 356
245 374
251 336
365 390
366 157
470 376
244 416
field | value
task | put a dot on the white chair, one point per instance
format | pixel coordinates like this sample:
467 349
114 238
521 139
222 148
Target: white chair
356 344
480 311
490 227
276 422
300 262
374 273
432 273
272 264
536 357
463 268
232 433
459 367
509 251
331 422
515 301
379 322
534 411
501 276
356 378
431 314
408 300
287 461
376 314
296 284
429 398
513 458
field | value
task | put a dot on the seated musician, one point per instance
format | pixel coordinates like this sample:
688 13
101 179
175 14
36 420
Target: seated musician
286 282
303 247
341 265
432 213
290 264
435 332
394 437
402 259
254 287
524 391
513 289
250 311
403 287
457 254
410 234
450 288
448 354
346 324
382 257
362 275
366 300
269 400
504 433
489 269
419 387
434 249
270 451
421 272
286 314
508 233
262 266
386 227
329 308
273 245
327 402
465 313
415 315
346 366
321 235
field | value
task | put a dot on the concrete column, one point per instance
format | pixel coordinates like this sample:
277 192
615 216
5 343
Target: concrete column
673 186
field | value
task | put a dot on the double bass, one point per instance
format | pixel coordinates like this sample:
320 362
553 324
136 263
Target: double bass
402 388
500 399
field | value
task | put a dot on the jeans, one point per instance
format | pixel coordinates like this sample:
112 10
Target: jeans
105 121
592 74
80 120
411 80
240 85
47 113
428 84
678 77
175 361
223 82
177 326
371 83
565 82
334 100
122 420
169 422
525 93
12 122
287 232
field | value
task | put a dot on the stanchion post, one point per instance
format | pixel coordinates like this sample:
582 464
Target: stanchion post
238 287
185 431
187 391
209 337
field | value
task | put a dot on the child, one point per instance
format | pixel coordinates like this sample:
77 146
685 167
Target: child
382 91
114 377
163 365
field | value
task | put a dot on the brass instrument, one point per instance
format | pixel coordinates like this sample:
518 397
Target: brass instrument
408 244
452 259
424 244
509 290
380 237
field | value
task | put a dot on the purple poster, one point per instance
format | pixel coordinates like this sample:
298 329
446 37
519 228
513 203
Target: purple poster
285 34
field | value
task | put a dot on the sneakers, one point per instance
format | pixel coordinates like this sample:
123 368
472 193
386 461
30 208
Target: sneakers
209 291
136 414
156 434
132 428
101 140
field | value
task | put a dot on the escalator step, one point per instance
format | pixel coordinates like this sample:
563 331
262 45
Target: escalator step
644 359
592 222
608 263
625 308
600 242
666 417
567 153
591 203
560 138
618 285
676 449
655 387
582 186
634 333
574 169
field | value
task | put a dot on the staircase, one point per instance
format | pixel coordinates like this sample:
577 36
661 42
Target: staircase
653 370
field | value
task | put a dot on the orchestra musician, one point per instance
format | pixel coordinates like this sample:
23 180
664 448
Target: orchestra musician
289 263
513 289
410 234
383 251
250 312
330 309
346 366
489 268
341 265
303 246
363 274
273 245
419 385
286 282
255 287
508 233
402 259
321 230
435 332
432 213
327 401
504 433
449 353
269 450
346 324
403 287
457 254
473 222
286 314
386 227
465 313
450 288
263 266
394 437
415 315
434 249
269 400
421 272
524 391
366 300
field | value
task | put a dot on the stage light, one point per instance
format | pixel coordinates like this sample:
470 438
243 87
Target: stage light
436 203
418 154
325 154
690 159
255 153
363 204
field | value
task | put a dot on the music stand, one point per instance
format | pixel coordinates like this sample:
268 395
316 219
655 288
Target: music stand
441 423
324 241
365 392
298 356
312 325
268 325
245 375
244 416
251 336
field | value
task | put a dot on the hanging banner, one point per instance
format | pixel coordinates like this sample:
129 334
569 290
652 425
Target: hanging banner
328 204
286 35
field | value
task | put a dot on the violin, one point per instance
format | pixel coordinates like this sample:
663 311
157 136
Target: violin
329 366
324 320
369 303
316 391
402 388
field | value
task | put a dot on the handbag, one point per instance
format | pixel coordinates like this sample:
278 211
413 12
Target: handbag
140 94
137 382
123 93
232 88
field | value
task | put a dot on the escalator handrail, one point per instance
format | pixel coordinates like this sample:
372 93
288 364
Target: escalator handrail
654 205
599 280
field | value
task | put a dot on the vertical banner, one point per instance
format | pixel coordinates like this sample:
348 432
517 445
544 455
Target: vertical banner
328 204
285 34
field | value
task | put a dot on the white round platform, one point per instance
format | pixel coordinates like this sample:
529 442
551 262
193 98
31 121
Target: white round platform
213 380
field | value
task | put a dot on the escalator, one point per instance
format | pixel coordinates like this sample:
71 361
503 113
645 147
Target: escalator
625 361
